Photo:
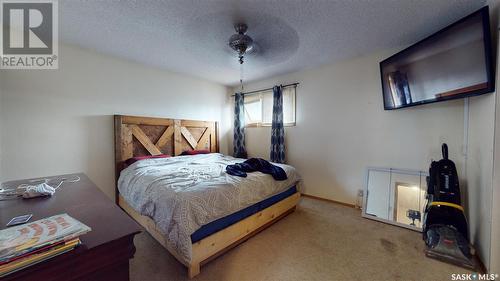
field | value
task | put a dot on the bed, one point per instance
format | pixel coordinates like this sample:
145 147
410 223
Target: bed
188 203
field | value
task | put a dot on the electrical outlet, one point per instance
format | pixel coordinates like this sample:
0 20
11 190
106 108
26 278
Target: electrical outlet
360 192
359 199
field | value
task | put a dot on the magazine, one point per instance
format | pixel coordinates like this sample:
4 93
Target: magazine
32 259
29 237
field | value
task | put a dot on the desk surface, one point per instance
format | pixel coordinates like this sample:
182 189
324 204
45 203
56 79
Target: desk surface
81 200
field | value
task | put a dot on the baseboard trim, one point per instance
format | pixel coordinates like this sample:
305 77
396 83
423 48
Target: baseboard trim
329 200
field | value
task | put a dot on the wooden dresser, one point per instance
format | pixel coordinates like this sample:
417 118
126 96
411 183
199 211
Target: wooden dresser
105 251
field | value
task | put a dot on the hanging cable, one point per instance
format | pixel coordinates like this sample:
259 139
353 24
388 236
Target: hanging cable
35 188
241 77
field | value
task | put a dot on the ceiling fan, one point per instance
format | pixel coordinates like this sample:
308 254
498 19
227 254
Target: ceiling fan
240 42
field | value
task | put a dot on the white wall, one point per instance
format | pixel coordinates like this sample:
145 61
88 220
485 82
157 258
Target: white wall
495 198
494 263
61 121
478 190
1 132
342 128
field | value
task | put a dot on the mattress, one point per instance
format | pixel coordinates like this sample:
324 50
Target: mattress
182 194
231 219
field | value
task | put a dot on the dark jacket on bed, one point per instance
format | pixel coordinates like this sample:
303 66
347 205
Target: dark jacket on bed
256 165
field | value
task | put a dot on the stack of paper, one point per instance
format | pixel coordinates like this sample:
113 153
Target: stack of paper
24 245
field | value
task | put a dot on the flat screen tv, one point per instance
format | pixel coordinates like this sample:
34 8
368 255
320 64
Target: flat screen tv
455 62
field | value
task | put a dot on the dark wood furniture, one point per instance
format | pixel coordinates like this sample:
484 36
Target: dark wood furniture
105 251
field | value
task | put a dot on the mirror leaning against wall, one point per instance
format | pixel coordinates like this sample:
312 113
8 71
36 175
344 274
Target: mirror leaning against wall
395 196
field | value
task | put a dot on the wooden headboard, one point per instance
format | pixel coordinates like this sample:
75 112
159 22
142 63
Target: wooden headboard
139 136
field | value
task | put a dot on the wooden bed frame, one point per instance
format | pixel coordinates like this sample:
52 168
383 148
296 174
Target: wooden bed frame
138 136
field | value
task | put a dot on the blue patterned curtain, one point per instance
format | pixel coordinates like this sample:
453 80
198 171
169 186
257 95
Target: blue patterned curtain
239 127
277 129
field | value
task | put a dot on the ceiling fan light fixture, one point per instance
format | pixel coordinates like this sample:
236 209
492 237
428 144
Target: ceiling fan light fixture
240 42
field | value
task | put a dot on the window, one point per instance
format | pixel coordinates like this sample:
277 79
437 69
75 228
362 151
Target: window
259 108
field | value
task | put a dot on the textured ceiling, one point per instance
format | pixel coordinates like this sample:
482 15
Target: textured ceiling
190 37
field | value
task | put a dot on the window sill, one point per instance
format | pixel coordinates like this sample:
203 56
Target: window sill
258 125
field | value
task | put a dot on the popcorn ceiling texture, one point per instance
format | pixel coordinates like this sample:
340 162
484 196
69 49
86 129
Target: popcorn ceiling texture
190 37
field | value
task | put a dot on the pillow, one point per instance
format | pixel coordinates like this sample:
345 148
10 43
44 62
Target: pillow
194 152
132 160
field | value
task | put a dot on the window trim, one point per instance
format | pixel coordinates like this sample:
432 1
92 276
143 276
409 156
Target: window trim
257 125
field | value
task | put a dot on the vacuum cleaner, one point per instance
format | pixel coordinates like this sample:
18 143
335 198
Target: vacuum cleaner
445 229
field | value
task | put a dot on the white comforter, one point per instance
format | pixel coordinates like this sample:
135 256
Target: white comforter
183 193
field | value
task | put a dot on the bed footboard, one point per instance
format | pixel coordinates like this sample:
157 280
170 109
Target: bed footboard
214 245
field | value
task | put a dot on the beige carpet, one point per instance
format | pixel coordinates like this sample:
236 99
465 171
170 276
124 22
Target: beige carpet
319 241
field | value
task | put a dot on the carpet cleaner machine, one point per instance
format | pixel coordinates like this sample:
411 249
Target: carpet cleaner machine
445 229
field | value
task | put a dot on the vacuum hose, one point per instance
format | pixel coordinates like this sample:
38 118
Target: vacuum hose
444 149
